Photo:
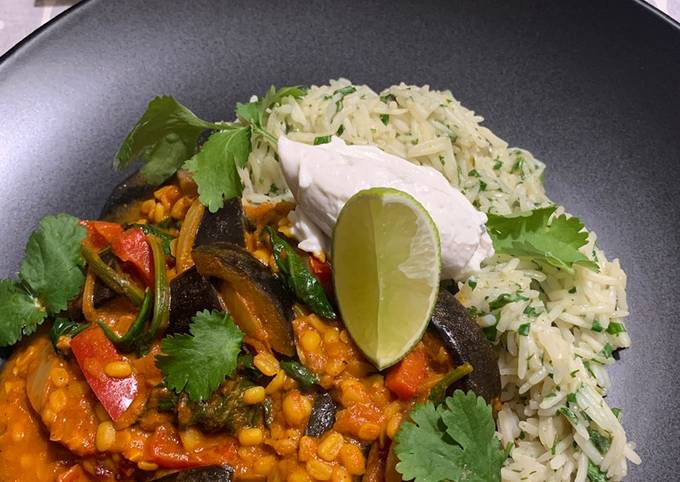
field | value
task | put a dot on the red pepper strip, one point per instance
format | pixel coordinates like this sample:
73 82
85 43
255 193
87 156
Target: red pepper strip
132 247
405 378
322 271
93 351
165 449
101 233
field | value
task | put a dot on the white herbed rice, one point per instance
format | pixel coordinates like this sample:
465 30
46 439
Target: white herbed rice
554 340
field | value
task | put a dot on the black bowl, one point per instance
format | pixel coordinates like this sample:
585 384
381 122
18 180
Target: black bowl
591 88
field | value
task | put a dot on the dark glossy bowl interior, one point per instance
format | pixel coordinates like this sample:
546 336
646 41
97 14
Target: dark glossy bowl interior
591 88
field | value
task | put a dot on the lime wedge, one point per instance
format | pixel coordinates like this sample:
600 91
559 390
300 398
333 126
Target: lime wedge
386 267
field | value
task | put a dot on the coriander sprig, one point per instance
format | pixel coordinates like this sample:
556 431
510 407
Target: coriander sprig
534 235
51 275
166 136
454 441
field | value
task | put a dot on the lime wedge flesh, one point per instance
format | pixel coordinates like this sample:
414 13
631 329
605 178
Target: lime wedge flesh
386 268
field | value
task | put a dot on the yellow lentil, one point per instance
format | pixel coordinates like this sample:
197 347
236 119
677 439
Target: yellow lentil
330 446
180 208
159 213
353 460
167 195
250 436
307 448
254 395
340 474
106 436
310 340
147 466
319 470
298 475
118 369
148 206
369 431
296 408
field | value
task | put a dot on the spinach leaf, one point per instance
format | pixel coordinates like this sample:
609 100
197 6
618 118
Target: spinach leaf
65 327
299 373
298 278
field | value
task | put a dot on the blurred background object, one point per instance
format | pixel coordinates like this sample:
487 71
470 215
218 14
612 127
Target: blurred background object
18 18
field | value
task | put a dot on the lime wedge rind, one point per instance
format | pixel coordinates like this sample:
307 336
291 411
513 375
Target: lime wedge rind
386 265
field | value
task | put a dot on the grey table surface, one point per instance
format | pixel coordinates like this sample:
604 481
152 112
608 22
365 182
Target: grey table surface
18 18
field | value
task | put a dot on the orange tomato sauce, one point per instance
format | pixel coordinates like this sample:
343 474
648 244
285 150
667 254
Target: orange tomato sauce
53 428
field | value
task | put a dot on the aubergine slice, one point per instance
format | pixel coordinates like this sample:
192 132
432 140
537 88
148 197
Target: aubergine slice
226 225
124 201
213 473
190 292
253 295
464 340
323 415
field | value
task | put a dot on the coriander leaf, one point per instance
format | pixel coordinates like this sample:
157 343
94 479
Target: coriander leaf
215 166
615 328
19 313
601 442
424 453
455 441
607 351
163 138
52 266
531 235
469 422
569 415
388 98
595 474
253 113
198 363
505 299
322 140
299 278
249 112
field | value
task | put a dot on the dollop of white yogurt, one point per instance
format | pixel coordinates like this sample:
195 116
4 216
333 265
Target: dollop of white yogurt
322 178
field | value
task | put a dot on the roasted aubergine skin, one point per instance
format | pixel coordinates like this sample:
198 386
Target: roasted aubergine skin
466 342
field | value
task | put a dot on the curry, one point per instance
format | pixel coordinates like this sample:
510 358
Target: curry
86 399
